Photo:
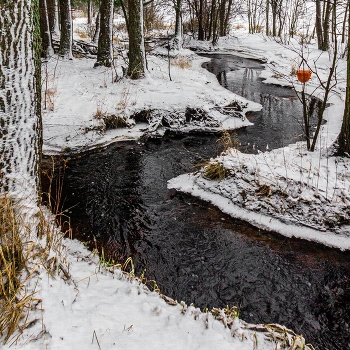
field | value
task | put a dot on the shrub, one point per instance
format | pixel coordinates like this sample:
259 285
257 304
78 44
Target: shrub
215 171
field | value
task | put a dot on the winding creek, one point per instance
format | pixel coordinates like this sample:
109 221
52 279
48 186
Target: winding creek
119 197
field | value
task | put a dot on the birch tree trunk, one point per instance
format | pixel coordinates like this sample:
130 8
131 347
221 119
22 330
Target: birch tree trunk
20 118
136 68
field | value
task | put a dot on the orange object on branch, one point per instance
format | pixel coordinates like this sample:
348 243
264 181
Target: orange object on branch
304 75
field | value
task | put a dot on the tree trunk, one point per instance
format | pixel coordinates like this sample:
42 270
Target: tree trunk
97 28
344 23
211 18
274 17
89 12
125 13
178 25
227 18
215 26
52 11
267 32
222 17
326 24
104 50
200 21
344 136
45 33
65 49
319 31
20 118
136 68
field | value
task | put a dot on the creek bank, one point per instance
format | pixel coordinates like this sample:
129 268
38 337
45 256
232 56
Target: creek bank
289 190
82 114
119 197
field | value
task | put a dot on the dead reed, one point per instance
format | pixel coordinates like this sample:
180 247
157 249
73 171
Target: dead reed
15 301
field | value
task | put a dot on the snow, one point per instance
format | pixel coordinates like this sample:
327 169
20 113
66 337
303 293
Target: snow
78 93
105 308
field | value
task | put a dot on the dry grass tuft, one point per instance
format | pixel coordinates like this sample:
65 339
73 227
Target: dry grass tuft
215 171
239 26
15 303
82 33
50 96
113 121
22 255
224 142
182 62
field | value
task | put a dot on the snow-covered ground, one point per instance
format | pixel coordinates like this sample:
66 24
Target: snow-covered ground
102 309
78 97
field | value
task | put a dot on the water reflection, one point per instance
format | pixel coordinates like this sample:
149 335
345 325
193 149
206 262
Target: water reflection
280 122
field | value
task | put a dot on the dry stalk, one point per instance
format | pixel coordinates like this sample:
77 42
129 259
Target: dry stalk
15 302
182 62
21 256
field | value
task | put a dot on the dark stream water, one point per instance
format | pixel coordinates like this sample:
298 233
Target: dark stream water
119 197
279 123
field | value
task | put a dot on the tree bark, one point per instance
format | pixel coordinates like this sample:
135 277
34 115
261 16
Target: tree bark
20 117
267 12
344 23
136 68
274 17
97 28
200 21
66 40
227 18
89 12
52 10
125 13
221 17
45 33
326 24
319 31
344 136
178 25
104 50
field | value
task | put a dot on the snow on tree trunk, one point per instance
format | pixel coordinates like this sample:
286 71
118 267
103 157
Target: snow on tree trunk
20 120
45 32
344 136
104 50
97 28
136 68
177 42
52 9
65 49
